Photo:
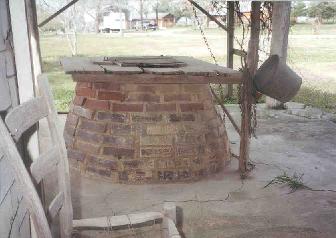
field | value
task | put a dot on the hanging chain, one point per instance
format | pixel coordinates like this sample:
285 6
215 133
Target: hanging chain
203 35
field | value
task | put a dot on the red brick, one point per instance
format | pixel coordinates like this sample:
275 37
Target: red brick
146 118
105 163
83 85
117 96
160 107
102 172
114 117
157 151
145 88
71 119
183 117
86 92
118 141
187 107
177 97
119 152
76 155
89 136
92 126
79 100
123 107
107 86
86 147
96 104
120 129
131 164
144 97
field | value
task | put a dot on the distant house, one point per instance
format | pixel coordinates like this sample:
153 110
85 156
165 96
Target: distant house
114 21
165 20
184 21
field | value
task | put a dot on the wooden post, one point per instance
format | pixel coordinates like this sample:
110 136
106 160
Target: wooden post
279 43
229 40
252 64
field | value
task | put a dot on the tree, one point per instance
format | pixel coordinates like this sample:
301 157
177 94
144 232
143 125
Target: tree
323 10
299 9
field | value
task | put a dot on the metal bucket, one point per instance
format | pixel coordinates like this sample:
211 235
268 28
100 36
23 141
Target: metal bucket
276 80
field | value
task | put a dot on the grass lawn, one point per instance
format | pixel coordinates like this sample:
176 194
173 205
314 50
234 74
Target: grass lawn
311 56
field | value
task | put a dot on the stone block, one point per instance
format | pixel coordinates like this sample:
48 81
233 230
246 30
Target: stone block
187 150
71 120
294 105
131 164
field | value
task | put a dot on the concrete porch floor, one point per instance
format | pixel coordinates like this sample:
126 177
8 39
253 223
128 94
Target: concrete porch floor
223 205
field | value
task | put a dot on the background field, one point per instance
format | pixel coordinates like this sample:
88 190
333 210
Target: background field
311 56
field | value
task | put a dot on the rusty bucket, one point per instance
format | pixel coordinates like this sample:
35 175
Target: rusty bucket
276 80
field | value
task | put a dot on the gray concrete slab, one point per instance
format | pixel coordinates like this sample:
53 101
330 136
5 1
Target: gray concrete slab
223 205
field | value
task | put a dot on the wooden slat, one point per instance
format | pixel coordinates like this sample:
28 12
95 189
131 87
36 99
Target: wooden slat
55 205
119 222
25 116
166 71
31 197
159 79
44 164
116 69
66 212
80 65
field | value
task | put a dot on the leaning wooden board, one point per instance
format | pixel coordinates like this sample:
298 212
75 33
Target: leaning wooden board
185 70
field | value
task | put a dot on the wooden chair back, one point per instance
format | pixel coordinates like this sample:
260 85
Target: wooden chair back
19 120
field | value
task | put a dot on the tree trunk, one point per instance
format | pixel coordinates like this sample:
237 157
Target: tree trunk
279 43
247 99
141 14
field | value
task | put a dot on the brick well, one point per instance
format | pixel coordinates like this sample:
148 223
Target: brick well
141 133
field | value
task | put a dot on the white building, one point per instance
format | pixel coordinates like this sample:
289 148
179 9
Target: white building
114 21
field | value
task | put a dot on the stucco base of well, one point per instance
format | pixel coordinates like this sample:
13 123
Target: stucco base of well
138 133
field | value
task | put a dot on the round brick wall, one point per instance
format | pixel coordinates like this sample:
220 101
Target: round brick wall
135 133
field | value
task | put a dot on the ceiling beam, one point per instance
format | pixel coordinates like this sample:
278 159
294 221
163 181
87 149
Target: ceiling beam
57 13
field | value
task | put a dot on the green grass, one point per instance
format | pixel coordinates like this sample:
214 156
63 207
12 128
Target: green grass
311 56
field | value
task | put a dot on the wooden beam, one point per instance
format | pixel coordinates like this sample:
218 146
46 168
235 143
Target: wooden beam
240 53
229 40
252 64
57 13
279 42
221 25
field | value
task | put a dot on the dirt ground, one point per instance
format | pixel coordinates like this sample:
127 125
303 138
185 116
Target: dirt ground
226 206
